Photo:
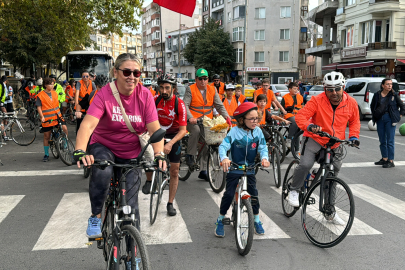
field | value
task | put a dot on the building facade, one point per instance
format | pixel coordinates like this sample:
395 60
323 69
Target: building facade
116 45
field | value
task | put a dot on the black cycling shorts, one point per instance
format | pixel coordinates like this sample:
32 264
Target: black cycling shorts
46 129
175 153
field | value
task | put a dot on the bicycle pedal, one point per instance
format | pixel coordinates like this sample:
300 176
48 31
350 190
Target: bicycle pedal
95 239
226 221
311 201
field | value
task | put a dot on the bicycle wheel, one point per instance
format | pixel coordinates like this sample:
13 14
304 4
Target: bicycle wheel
65 148
244 228
23 131
184 170
155 196
279 142
275 163
107 233
297 152
328 228
288 210
70 116
132 250
216 175
53 148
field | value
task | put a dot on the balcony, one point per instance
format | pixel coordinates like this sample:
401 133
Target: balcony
382 45
381 6
340 15
319 50
317 14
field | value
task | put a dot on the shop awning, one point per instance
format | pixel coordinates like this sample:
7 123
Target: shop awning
355 65
401 60
330 66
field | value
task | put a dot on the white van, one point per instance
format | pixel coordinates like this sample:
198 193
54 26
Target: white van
363 89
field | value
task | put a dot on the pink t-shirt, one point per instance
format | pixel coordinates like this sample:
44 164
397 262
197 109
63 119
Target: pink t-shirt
112 131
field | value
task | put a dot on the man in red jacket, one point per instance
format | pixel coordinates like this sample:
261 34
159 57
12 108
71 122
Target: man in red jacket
329 112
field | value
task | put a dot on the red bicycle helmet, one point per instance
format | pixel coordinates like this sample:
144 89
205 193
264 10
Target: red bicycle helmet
243 109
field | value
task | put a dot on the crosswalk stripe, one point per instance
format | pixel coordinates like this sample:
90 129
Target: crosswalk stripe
7 204
380 199
272 231
402 184
166 229
66 228
41 173
358 227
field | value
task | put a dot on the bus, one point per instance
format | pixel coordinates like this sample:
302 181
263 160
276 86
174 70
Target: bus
93 61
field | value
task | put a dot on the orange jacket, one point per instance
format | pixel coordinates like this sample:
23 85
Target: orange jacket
71 91
152 91
289 101
32 95
84 90
197 107
49 108
270 96
241 99
230 108
319 111
221 90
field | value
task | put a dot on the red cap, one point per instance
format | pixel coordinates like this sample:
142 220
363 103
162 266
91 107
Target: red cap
244 108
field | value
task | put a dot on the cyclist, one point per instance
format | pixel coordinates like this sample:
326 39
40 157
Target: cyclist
48 107
292 103
330 112
3 95
229 100
148 84
112 140
200 100
84 104
243 142
58 89
266 116
83 87
174 121
238 94
270 95
219 86
31 91
93 76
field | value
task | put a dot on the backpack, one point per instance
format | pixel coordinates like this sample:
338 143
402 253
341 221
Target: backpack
176 103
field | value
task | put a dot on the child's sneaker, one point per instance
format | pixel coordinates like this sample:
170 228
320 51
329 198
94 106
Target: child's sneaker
219 230
259 228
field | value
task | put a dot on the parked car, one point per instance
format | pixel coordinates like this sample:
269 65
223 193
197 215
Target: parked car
306 92
181 90
279 90
313 91
402 91
249 90
363 90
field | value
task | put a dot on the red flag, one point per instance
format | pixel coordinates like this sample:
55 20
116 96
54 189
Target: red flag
185 7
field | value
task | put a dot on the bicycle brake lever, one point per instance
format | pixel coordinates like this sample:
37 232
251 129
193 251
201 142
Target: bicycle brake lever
264 170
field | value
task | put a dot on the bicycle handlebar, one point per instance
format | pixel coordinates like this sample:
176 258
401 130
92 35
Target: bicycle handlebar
246 168
104 163
335 139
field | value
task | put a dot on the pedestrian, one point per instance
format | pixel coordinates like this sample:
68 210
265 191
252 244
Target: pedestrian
9 99
387 109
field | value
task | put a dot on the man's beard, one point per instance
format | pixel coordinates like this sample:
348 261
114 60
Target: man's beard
165 96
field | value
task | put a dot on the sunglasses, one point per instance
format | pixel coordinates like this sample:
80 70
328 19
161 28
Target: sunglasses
203 78
85 76
330 89
128 72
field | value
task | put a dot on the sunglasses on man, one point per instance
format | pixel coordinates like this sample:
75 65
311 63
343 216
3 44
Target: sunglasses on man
128 72
331 89
203 78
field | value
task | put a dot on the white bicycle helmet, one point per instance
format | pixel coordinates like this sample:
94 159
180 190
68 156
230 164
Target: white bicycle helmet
334 79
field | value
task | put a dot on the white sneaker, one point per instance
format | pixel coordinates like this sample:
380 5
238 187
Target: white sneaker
288 143
337 220
293 198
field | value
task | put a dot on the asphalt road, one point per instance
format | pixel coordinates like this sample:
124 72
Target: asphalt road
44 209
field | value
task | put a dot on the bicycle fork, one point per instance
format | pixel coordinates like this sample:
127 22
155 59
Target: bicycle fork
241 194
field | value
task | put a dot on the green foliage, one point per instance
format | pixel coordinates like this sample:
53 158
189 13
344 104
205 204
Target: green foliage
210 48
42 31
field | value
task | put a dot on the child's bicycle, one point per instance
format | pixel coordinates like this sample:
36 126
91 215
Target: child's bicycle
242 212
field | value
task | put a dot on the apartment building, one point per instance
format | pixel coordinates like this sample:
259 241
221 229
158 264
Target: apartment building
117 45
155 20
313 72
367 37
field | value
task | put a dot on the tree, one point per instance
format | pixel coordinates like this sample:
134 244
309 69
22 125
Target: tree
210 48
42 31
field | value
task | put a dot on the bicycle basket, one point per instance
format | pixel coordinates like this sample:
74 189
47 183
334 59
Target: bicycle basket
213 137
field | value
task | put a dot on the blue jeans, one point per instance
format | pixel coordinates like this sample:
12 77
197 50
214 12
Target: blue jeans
386 135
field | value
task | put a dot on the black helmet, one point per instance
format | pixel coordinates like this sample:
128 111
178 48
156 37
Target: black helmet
101 80
30 84
216 76
53 76
92 73
167 78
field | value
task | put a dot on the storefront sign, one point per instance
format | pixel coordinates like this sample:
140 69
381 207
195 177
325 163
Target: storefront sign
352 53
258 69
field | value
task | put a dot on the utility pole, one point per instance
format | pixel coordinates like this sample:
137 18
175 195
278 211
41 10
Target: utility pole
179 74
161 42
244 50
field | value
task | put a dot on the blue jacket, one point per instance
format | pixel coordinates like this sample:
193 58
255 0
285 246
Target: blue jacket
244 146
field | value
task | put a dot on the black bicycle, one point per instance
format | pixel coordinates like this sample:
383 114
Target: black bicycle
326 201
121 241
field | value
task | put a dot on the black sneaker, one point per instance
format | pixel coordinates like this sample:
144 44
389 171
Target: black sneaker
146 187
45 159
170 210
203 175
190 160
389 164
380 162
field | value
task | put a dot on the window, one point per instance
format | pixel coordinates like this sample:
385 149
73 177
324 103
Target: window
285 12
156 35
350 2
378 27
343 38
349 36
302 57
238 55
366 32
387 30
239 12
110 49
354 87
229 16
283 80
304 11
196 23
123 46
303 34
259 35
104 40
238 34
283 56
99 39
259 56
117 46
284 33
260 13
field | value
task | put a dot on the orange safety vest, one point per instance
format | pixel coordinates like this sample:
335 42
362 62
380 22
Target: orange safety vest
221 89
71 91
230 108
31 94
50 107
241 99
152 91
84 90
263 121
270 96
197 106
289 101
92 95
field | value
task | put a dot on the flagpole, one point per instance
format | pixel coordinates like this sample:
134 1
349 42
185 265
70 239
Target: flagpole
244 50
179 44
161 42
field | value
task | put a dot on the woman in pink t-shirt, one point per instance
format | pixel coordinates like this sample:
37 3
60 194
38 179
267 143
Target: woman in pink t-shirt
111 138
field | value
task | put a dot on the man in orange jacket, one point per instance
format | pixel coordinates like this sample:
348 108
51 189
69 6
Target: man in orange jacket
219 86
270 96
329 112
292 103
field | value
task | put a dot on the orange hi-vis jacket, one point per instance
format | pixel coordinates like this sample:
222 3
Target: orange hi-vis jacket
230 108
197 106
270 96
83 91
241 99
319 111
50 107
92 95
152 91
221 89
71 91
289 101
32 95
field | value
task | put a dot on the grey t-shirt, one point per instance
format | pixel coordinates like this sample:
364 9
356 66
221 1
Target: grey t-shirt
38 102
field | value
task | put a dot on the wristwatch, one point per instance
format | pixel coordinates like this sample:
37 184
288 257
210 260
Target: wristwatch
160 153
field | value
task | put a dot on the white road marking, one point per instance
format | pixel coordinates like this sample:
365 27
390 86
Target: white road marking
41 173
402 184
166 229
272 231
7 204
358 227
373 138
67 226
379 199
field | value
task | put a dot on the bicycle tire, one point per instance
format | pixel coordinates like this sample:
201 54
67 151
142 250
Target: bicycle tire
244 245
184 168
133 245
155 197
54 151
68 116
288 210
279 141
23 131
275 163
317 224
65 148
216 175
107 233
297 152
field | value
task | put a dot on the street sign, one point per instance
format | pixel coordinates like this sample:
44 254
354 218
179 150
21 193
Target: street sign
178 75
